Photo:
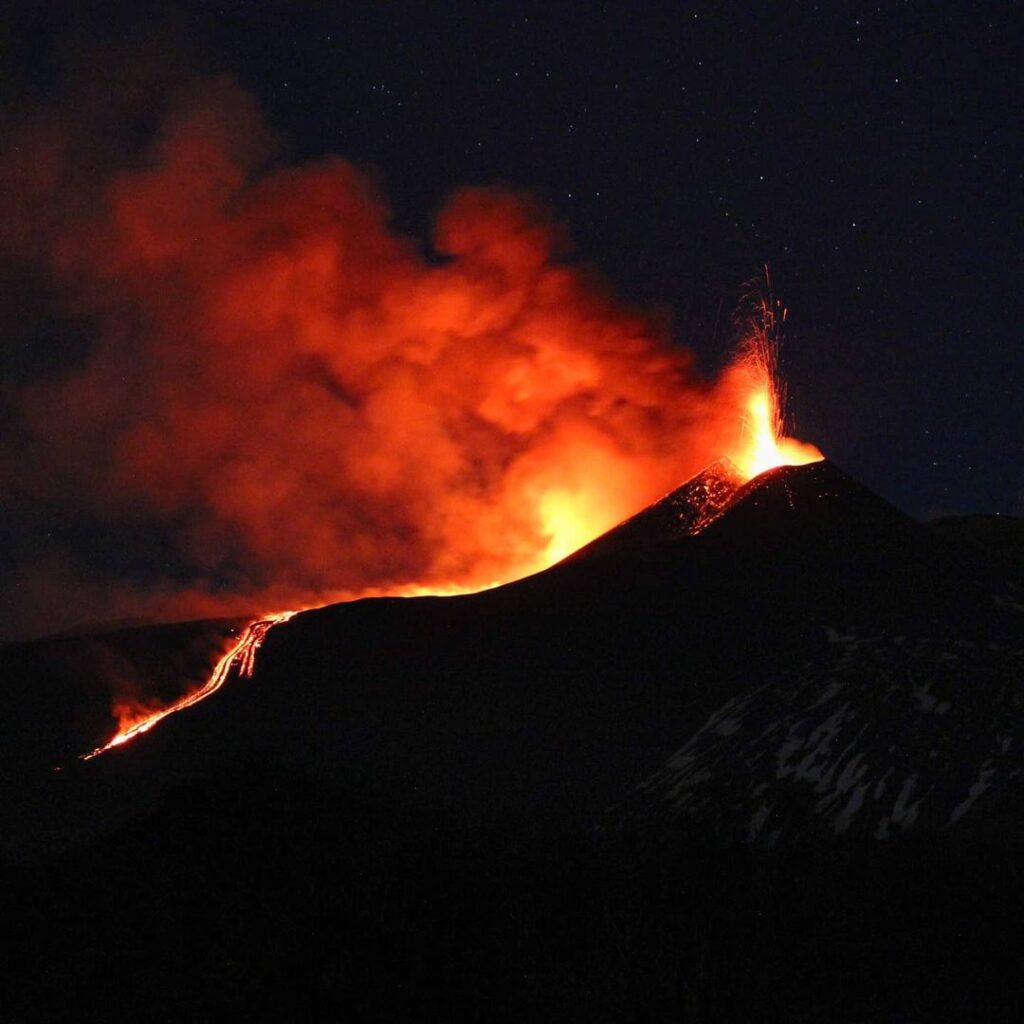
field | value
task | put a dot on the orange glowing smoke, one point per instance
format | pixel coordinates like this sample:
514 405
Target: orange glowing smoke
134 721
302 404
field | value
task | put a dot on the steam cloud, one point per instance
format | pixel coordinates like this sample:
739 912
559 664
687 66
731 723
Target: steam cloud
309 405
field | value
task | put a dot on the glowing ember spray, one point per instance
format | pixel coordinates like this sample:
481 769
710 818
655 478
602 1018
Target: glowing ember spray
762 393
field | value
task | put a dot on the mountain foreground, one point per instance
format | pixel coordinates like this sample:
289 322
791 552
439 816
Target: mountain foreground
753 753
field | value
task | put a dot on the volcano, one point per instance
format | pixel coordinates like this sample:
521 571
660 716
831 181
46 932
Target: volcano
731 755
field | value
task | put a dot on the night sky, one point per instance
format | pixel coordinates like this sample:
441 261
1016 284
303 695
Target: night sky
864 152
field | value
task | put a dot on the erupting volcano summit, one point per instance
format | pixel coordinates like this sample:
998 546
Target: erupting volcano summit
687 510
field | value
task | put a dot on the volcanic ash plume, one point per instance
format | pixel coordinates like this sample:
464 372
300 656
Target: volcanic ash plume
303 404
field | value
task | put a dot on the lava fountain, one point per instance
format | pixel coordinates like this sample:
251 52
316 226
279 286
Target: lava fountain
760 394
764 445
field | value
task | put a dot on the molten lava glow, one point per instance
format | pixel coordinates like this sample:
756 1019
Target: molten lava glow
759 395
765 448
134 721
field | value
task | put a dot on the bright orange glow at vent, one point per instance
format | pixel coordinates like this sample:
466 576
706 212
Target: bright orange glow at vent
756 380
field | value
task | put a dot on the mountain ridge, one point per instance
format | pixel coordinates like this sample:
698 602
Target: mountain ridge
713 776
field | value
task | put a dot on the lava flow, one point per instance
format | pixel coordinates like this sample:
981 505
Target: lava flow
243 654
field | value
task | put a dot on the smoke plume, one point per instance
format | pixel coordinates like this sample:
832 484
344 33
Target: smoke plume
301 402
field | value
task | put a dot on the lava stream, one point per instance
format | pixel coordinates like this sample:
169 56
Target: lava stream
242 654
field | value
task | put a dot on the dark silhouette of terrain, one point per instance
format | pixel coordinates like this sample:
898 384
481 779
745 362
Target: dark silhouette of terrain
768 771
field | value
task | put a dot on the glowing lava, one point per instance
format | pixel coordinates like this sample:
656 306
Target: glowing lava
765 446
243 654
761 397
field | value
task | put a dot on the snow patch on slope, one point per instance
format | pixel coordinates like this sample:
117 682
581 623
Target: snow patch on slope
878 736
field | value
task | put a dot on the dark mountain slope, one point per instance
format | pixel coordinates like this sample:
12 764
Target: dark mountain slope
537 802
1001 538
557 695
